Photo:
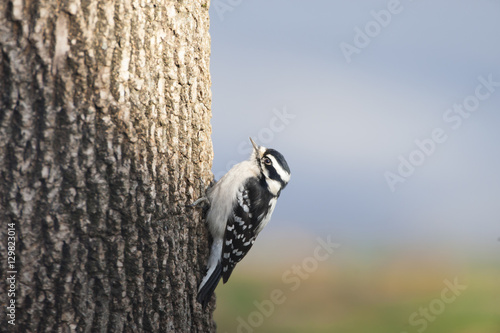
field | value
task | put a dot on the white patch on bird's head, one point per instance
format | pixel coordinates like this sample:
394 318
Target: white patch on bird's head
283 174
274 186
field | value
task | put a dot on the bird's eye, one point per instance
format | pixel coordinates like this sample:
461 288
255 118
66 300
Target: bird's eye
267 161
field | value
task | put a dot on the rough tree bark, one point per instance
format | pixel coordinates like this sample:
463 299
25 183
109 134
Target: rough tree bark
104 135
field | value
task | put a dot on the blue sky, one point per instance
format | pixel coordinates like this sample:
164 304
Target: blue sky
280 75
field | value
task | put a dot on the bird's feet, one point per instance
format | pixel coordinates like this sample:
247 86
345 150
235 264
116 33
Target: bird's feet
203 191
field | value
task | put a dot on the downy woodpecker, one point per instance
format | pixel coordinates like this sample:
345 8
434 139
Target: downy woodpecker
241 204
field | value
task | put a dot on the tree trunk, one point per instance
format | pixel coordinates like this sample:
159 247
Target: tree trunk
104 136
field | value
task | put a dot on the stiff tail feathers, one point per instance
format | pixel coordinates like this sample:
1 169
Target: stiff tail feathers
207 289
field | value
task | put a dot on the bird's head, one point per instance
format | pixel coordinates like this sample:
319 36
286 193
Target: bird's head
273 167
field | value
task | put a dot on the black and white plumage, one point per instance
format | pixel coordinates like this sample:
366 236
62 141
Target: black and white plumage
241 204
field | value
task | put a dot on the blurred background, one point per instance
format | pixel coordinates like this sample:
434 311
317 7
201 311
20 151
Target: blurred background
388 113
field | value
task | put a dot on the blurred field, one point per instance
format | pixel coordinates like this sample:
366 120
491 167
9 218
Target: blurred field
373 297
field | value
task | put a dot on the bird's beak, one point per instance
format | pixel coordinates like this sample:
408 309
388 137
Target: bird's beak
255 146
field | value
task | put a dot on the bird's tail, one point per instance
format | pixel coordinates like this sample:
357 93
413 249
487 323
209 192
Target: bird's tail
208 285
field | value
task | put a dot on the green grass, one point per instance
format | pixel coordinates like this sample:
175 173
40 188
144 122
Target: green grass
372 301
